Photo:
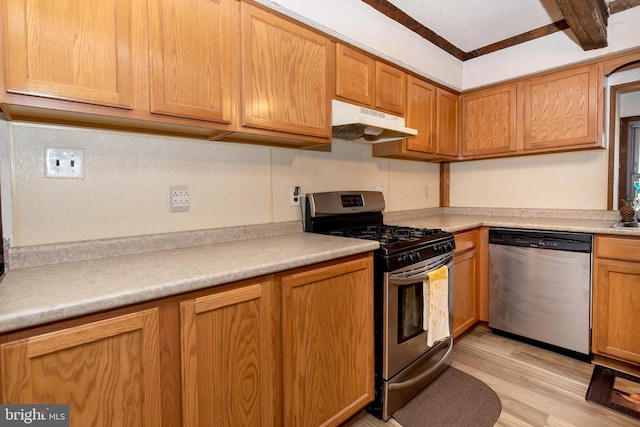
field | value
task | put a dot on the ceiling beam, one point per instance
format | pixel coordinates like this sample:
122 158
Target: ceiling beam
588 21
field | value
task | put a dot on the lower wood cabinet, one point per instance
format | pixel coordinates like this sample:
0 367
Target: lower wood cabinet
108 371
616 298
288 349
465 299
327 324
228 351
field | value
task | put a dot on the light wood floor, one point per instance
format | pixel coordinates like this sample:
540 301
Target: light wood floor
536 387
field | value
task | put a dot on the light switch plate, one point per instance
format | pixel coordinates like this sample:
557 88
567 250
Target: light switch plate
64 163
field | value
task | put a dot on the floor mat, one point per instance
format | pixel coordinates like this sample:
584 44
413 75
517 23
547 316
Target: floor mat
615 390
453 399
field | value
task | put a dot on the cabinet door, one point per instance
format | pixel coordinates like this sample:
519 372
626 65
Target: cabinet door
421 108
489 121
355 75
190 50
447 123
107 371
465 311
70 49
560 109
616 310
286 75
327 318
391 87
228 368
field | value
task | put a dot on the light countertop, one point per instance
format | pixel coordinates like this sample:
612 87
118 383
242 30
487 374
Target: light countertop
54 282
36 295
454 223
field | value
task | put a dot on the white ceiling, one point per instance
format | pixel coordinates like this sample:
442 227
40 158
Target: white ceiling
472 24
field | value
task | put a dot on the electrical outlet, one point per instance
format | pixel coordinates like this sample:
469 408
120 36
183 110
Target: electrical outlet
426 191
64 163
295 194
179 199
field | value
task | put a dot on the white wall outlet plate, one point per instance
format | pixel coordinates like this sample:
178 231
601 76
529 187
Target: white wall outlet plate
179 199
64 163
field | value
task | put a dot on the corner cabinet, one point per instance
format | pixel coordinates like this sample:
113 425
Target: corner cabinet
328 359
287 80
616 298
433 111
108 371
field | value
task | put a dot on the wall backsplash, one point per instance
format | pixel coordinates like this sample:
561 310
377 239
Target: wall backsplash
127 179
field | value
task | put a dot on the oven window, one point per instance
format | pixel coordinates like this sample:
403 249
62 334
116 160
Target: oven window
410 311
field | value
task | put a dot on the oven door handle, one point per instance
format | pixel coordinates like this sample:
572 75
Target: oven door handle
418 379
407 280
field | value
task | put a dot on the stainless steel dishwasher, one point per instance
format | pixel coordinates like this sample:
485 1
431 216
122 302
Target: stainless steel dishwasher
540 288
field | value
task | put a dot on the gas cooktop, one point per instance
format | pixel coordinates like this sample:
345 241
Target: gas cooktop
392 237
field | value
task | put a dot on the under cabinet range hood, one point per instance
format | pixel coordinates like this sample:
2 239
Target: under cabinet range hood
355 123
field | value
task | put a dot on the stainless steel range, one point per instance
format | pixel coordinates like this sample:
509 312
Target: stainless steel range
406 360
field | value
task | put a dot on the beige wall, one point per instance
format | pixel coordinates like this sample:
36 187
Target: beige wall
127 179
550 181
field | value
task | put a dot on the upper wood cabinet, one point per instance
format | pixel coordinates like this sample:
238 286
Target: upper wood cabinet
190 52
391 84
433 112
287 79
559 109
362 79
488 121
228 353
421 115
108 371
556 111
70 49
447 123
355 75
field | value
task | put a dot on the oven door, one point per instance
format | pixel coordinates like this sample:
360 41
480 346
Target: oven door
404 338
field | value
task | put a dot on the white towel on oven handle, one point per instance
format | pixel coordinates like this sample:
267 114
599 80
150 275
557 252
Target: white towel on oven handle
436 305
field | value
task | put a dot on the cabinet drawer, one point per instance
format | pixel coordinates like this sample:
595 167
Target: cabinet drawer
466 240
624 248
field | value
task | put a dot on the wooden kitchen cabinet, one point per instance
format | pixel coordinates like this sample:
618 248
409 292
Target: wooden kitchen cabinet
433 111
465 300
328 350
287 76
128 65
560 109
71 50
289 348
108 371
616 298
355 76
391 84
228 349
488 121
421 115
554 111
190 43
363 80
447 123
